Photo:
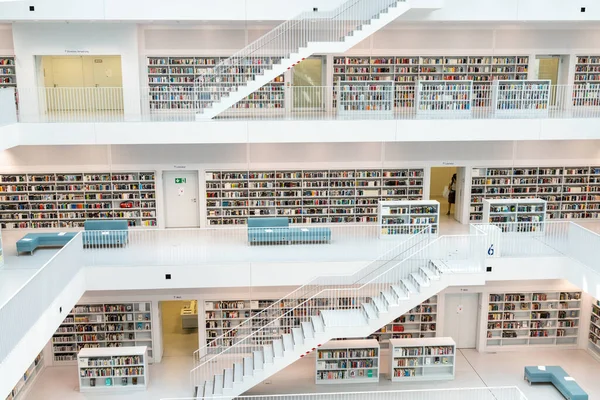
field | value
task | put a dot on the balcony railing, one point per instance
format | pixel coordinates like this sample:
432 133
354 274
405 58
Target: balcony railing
294 103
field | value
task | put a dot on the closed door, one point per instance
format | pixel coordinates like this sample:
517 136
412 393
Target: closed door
460 319
108 80
67 78
181 199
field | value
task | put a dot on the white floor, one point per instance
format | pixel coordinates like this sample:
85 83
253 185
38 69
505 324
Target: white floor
170 378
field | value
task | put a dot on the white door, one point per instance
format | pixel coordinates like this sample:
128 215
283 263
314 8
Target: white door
181 199
108 80
460 319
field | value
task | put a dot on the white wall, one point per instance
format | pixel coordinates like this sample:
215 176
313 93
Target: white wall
6 40
62 39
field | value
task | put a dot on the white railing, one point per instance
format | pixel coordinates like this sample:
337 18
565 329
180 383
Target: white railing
582 245
463 253
8 108
210 246
282 102
23 310
482 393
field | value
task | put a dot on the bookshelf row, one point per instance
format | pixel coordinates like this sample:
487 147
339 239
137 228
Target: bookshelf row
27 379
402 217
173 83
570 192
103 325
586 92
594 334
351 361
113 369
514 210
8 77
66 200
533 319
422 359
307 196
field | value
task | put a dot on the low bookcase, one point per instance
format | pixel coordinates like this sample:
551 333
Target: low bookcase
531 213
513 97
425 359
345 361
408 217
112 369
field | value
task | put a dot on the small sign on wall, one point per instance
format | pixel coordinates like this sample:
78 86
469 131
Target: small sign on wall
180 180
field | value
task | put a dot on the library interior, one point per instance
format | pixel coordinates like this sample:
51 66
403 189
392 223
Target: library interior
334 200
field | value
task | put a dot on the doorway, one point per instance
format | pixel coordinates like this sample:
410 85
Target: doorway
181 199
461 318
440 178
307 84
179 320
551 68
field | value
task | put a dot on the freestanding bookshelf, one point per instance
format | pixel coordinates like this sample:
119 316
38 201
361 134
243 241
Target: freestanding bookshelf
419 322
29 376
594 335
112 369
348 361
512 211
425 359
408 217
8 76
366 98
443 97
586 91
521 97
533 319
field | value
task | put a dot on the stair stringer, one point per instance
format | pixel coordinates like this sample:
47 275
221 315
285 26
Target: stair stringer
268 75
320 338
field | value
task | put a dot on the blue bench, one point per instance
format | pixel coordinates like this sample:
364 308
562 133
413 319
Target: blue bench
276 230
559 378
31 241
105 233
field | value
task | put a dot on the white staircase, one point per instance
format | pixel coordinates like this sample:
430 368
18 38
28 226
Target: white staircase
237 369
257 64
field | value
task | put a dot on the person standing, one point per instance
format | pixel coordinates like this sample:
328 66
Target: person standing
451 193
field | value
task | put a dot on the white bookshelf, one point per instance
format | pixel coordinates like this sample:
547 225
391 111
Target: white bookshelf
113 369
406 71
419 322
571 192
541 318
424 359
521 97
594 334
8 76
172 82
586 91
66 200
515 210
348 361
103 325
408 217
438 97
365 98
307 196
26 381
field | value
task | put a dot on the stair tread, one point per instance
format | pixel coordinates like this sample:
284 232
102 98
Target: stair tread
389 296
401 292
379 306
370 310
345 318
431 274
317 324
422 281
411 287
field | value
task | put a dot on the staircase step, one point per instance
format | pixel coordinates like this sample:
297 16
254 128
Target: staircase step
370 310
419 279
343 318
308 330
268 353
440 265
430 273
259 360
208 389
278 348
228 378
288 342
248 366
218 387
298 336
390 296
379 305
317 323
410 286
238 372
401 292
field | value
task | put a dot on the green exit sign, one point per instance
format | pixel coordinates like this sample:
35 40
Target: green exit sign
179 180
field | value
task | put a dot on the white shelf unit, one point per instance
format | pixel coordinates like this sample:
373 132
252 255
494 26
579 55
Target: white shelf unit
348 361
425 359
571 192
307 196
438 97
8 76
515 210
408 217
172 84
586 91
405 71
66 200
365 98
521 97
420 322
594 334
103 325
533 319
29 376
113 369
